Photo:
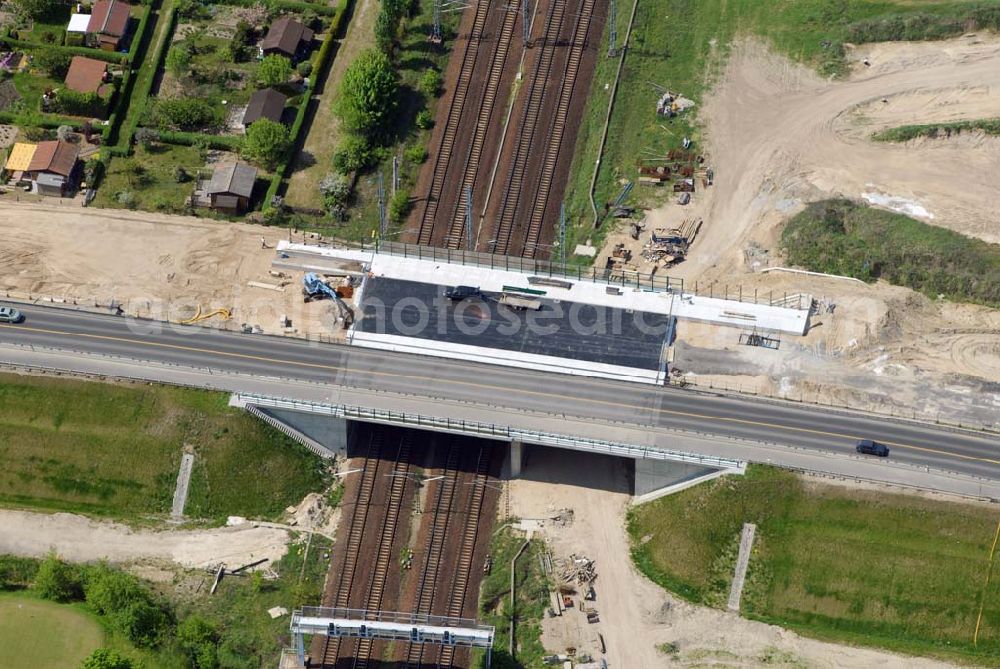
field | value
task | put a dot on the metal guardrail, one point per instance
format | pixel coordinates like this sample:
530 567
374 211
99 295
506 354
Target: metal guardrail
488 430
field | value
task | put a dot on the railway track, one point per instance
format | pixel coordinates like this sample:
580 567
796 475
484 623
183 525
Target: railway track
452 123
456 603
434 547
537 217
456 234
528 126
383 557
359 517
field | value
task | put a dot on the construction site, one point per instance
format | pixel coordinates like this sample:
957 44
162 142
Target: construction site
500 153
419 508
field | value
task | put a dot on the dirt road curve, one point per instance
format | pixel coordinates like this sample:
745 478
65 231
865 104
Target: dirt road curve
780 135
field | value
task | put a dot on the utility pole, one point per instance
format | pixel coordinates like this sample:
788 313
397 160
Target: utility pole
612 32
469 241
435 36
383 221
562 234
395 175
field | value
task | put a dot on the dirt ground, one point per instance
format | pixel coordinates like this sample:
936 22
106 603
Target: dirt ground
80 539
780 136
635 614
154 265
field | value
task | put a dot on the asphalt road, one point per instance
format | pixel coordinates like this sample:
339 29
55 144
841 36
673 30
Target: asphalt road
634 404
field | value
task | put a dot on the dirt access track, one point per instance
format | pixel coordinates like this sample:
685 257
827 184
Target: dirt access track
780 136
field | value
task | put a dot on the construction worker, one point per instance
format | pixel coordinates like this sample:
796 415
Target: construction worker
263 243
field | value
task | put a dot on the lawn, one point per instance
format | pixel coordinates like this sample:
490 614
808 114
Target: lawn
27 638
157 188
847 238
114 450
51 29
858 566
682 44
532 597
31 86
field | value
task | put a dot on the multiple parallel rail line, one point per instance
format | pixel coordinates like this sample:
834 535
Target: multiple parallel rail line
456 235
383 557
447 144
528 126
355 534
434 547
470 533
537 216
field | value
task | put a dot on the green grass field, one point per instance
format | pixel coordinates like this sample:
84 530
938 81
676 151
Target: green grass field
855 566
114 450
35 633
156 189
682 44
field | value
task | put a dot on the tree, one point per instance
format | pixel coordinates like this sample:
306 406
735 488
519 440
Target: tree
178 61
355 153
109 590
141 622
386 28
64 133
35 9
57 580
146 137
54 62
105 658
367 100
266 142
274 70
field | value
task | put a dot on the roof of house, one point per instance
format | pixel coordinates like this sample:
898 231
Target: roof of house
78 23
284 35
53 180
85 75
54 156
20 156
109 17
233 179
265 103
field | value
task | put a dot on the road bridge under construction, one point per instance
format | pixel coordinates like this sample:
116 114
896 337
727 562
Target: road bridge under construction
515 405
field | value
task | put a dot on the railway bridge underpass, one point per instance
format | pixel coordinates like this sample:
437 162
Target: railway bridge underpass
323 428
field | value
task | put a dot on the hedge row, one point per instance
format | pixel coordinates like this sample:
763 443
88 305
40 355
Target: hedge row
220 142
97 54
290 5
321 63
47 121
141 97
140 30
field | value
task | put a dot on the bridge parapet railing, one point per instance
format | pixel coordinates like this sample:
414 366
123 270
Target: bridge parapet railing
487 430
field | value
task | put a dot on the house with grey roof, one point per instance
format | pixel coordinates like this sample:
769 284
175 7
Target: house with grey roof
265 103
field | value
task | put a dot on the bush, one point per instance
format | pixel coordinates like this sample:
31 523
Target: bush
185 114
304 68
33 134
181 175
425 120
336 191
266 142
72 103
274 70
399 206
367 100
105 658
199 639
57 580
127 604
430 83
355 154
846 238
416 154
178 62
126 198
146 137
53 61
